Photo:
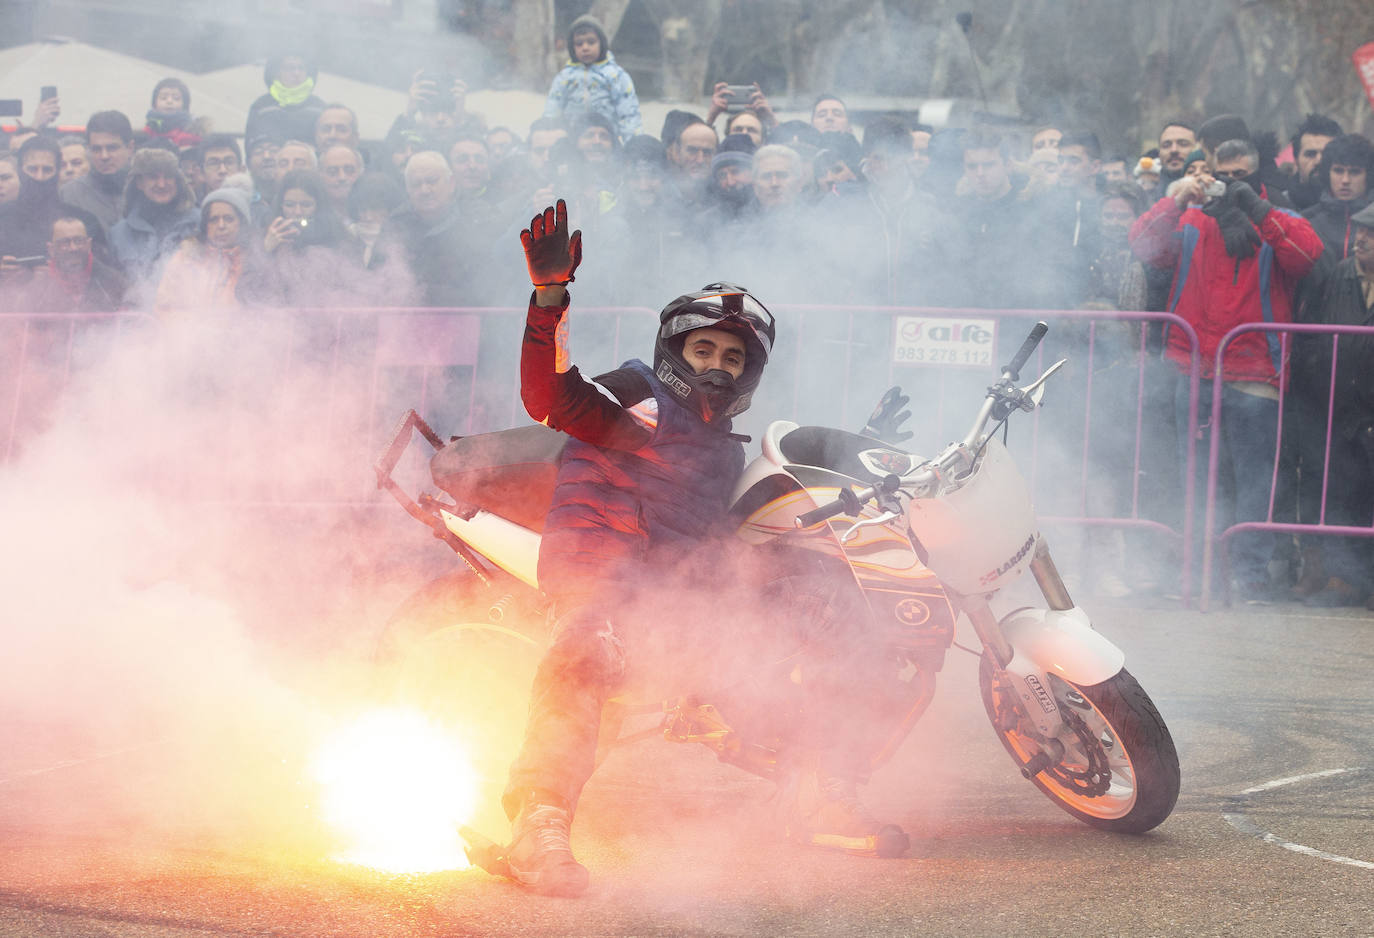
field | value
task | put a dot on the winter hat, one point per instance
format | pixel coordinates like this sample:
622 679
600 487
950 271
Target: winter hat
734 150
154 158
158 156
595 119
644 150
1194 157
233 196
1217 130
273 65
588 21
179 85
1364 217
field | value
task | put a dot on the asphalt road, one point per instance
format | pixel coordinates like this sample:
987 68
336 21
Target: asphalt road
1271 710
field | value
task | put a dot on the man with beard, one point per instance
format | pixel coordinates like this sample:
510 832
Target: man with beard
1176 140
110 141
1308 143
1236 259
732 179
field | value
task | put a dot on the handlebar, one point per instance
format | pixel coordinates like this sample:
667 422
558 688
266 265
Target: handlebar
849 501
1013 368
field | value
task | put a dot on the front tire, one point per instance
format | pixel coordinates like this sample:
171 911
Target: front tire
1119 770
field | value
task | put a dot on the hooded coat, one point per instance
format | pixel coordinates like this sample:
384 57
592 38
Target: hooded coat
603 87
1216 292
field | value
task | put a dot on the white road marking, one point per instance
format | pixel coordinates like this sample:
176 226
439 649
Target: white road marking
69 763
1280 782
1240 822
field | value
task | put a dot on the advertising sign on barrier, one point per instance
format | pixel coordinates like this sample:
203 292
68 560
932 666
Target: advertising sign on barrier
922 340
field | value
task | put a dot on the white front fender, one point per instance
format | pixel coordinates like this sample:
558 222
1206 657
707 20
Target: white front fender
1062 643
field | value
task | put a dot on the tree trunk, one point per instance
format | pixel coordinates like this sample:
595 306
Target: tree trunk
687 32
532 38
610 13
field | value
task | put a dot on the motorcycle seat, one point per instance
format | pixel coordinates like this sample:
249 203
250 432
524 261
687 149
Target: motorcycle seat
510 473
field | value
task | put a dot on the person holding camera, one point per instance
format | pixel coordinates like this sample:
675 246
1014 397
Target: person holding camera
592 81
742 99
1235 259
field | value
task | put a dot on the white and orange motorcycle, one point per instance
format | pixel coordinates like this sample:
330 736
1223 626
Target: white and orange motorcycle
918 541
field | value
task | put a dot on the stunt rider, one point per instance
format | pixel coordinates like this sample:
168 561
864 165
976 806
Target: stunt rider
634 546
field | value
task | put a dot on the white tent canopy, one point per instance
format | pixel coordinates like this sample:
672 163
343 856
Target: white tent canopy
91 79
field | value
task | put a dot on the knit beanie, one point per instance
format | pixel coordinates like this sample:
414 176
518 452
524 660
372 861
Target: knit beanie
234 196
734 150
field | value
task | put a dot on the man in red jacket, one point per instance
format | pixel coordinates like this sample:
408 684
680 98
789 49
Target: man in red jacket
1236 259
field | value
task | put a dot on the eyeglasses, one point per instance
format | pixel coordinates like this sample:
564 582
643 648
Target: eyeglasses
64 244
228 162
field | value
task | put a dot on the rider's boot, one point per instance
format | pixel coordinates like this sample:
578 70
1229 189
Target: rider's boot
825 811
540 853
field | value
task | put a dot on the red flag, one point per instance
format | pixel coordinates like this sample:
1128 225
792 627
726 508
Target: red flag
1364 64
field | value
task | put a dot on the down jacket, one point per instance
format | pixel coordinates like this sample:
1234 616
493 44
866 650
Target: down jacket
1215 292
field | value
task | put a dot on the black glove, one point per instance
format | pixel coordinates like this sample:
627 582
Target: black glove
885 423
1239 193
552 257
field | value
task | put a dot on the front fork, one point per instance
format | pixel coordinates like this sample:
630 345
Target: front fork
1037 705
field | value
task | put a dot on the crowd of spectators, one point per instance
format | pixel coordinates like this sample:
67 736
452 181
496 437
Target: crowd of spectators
1214 223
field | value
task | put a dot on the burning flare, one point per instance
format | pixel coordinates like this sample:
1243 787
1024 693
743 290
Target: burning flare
395 787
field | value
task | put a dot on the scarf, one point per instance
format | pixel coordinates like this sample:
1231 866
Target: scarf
290 97
74 285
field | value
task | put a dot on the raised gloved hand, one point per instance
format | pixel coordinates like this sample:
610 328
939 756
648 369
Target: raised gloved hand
552 257
1239 194
885 423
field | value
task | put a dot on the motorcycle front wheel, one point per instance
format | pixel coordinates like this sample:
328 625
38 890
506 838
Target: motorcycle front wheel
1119 770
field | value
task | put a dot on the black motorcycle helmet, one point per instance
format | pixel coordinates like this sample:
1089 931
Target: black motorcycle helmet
715 394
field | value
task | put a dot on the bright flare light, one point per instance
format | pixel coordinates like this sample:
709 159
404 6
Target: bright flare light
396 787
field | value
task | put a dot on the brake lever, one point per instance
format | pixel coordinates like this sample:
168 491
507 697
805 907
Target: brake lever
883 518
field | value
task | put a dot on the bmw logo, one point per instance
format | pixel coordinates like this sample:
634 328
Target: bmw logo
912 612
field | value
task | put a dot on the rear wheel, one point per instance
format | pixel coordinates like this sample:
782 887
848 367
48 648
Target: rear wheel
464 654
1118 770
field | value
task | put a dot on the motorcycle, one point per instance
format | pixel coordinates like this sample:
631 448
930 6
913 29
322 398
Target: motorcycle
919 542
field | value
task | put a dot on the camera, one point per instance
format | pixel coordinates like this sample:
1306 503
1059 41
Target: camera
1214 189
441 99
739 97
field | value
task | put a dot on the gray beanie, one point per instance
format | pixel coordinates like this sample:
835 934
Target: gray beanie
235 196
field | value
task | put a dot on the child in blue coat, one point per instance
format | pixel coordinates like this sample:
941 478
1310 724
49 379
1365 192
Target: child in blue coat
592 81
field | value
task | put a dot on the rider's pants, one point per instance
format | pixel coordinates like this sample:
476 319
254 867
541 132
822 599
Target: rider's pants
708 638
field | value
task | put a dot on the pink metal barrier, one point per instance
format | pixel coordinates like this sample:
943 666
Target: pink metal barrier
38 354
1214 540
348 374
